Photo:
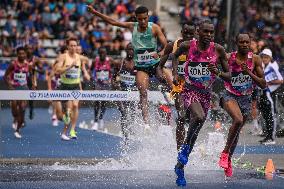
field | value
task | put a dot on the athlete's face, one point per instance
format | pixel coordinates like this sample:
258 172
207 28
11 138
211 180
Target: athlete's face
129 51
29 49
72 46
188 32
102 54
206 33
21 55
142 19
243 43
79 49
265 59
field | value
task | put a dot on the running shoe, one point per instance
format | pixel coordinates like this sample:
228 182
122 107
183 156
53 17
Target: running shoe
17 134
229 170
183 154
180 181
95 126
73 134
224 160
147 129
268 142
64 137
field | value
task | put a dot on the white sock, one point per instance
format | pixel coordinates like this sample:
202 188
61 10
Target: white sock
255 124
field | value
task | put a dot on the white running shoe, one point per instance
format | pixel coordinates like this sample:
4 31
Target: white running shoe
50 109
101 124
269 142
14 126
64 137
17 134
55 122
95 126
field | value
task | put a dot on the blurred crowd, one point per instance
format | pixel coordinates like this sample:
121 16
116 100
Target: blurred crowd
263 19
45 23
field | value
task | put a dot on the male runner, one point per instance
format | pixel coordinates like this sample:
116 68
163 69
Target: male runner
102 77
146 55
16 77
200 72
246 70
69 67
126 75
36 67
187 33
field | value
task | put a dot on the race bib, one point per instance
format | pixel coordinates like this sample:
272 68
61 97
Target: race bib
103 75
181 69
199 71
270 75
21 78
241 81
73 73
127 79
145 57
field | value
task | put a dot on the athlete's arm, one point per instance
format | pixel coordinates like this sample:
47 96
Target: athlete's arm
7 75
110 20
167 52
61 67
158 32
183 48
257 74
38 66
223 61
279 79
85 61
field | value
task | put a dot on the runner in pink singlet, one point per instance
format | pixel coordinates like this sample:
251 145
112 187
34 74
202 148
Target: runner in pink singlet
200 72
246 70
16 77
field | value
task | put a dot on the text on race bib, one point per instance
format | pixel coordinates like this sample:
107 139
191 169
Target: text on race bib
127 79
199 70
145 57
21 78
241 81
73 73
103 75
181 69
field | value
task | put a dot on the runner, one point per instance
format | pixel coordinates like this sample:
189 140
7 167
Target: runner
102 77
69 67
126 76
200 72
16 77
268 98
53 83
187 32
37 67
146 55
246 71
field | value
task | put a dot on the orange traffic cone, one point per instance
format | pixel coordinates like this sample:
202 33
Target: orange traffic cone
218 125
269 169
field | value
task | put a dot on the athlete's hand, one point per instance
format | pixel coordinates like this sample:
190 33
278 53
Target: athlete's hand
90 9
245 68
213 69
175 80
155 55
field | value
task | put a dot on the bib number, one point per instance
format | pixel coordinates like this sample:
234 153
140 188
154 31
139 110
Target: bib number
21 78
103 75
127 79
73 73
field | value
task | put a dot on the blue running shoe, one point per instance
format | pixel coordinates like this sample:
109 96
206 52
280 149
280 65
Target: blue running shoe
183 154
180 181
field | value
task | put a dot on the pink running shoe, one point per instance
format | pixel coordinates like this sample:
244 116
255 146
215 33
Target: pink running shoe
229 170
224 160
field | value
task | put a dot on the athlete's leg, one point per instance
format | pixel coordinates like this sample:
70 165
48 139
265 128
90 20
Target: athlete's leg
233 109
142 80
103 110
75 113
97 109
67 116
31 107
180 130
20 114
